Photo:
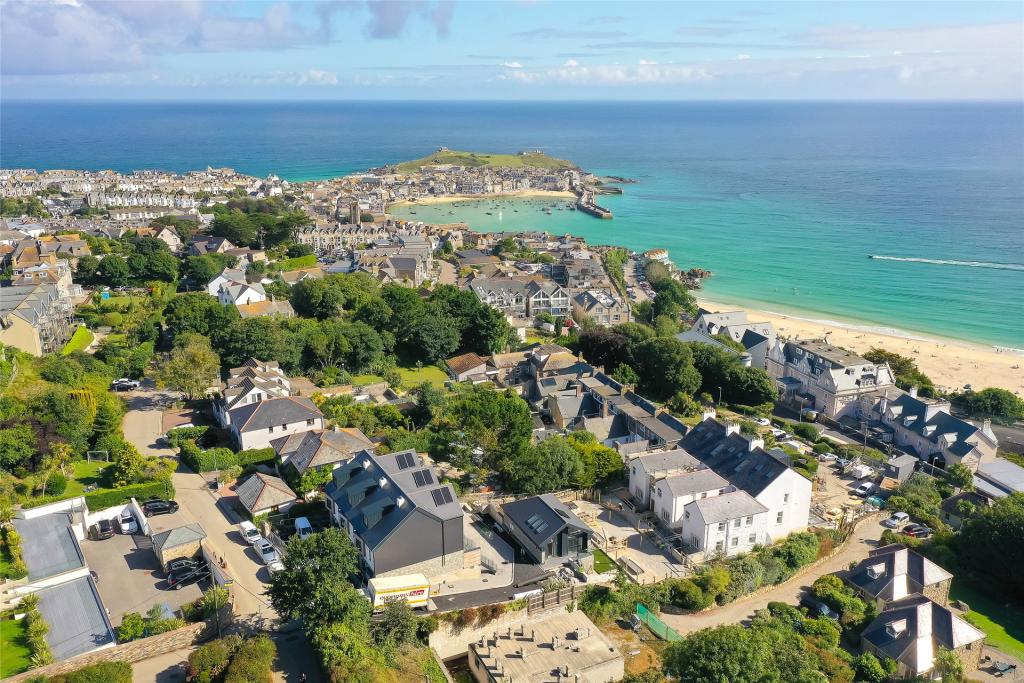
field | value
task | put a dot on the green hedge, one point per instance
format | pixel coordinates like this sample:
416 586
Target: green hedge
176 437
100 500
222 458
104 672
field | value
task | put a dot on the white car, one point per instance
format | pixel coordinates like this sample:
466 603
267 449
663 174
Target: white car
126 521
763 421
303 529
266 552
124 384
827 457
864 489
250 533
275 566
897 520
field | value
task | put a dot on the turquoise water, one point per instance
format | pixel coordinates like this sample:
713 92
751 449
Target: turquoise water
782 201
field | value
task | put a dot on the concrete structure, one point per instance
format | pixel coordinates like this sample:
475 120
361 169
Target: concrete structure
550 649
262 494
401 519
182 541
545 528
255 425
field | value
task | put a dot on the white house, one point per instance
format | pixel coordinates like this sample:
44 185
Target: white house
645 470
255 425
253 382
674 493
729 524
227 276
241 293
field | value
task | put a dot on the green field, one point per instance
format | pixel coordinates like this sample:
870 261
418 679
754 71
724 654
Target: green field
14 648
411 377
602 563
475 160
1003 624
79 341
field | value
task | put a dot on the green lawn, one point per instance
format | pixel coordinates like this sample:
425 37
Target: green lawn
1002 623
85 473
411 377
121 302
475 160
79 341
602 563
14 648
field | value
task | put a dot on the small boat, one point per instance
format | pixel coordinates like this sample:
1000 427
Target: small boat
489 213
871 256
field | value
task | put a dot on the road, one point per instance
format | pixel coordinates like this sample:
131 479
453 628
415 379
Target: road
865 538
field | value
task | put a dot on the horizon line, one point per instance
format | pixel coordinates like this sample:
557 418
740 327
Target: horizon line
754 100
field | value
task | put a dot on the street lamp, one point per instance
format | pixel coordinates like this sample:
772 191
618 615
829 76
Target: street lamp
719 395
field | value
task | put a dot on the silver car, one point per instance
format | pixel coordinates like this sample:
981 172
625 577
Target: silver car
266 551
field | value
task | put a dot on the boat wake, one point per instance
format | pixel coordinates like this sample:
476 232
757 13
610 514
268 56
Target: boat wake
949 262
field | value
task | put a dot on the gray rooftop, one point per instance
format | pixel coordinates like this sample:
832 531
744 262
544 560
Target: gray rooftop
48 545
695 482
728 506
182 535
76 616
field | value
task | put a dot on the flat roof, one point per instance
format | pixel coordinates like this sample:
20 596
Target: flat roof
48 545
76 616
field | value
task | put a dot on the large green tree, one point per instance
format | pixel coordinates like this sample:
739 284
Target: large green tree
551 465
200 313
665 366
191 367
990 541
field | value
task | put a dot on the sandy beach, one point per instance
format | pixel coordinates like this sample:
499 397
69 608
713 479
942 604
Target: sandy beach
950 363
448 199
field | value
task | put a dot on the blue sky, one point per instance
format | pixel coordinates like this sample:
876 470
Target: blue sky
437 49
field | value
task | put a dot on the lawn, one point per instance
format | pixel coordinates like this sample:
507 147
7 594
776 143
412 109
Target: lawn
14 648
79 341
1003 624
475 160
85 473
411 377
602 563
121 302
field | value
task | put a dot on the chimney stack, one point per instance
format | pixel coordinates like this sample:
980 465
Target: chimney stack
754 444
913 391
732 428
709 413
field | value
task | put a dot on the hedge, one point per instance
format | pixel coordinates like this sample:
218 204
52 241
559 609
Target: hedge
99 500
104 672
222 458
176 437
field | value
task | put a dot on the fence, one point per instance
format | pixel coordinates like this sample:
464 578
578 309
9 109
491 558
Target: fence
657 626
546 601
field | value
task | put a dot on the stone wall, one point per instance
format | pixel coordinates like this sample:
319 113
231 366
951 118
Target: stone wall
435 566
938 592
449 641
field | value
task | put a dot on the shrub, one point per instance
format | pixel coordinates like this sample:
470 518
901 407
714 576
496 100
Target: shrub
686 594
56 484
104 672
199 460
207 662
252 661
176 437
254 456
797 550
112 319
806 431
822 447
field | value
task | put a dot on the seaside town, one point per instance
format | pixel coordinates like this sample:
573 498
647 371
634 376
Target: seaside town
256 430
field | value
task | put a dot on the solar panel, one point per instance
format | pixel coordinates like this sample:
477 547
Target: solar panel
405 461
423 478
441 496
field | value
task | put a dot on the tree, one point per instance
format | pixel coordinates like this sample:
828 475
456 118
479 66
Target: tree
479 417
128 465
605 348
551 465
727 654
990 541
685 405
992 402
488 331
202 269
314 582
749 386
160 265
297 250
435 338
950 666
961 477
316 298
191 367
395 627
85 271
625 374
869 669
17 446
904 370
200 313
114 271
665 366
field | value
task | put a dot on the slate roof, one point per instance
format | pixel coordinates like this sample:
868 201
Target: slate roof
179 536
676 459
727 506
894 572
273 412
999 477
690 483
541 518
262 491
373 510
48 545
320 448
76 617
906 407
750 471
912 644
696 336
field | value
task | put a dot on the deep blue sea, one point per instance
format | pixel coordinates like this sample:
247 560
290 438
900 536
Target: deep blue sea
782 201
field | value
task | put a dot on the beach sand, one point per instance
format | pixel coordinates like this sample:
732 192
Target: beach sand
950 363
526 194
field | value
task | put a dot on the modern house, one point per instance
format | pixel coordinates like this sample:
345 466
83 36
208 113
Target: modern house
756 338
818 376
320 449
911 631
401 519
895 572
255 425
35 318
725 524
262 494
545 528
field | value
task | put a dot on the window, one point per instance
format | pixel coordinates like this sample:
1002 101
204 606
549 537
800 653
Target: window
778 518
687 514
664 515
752 539
309 422
270 428
737 523
659 493
750 520
284 427
735 541
704 494
718 546
721 526
785 498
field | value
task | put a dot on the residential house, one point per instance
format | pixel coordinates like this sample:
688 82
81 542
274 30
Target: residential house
545 528
251 383
278 308
262 494
646 469
318 450
725 524
35 318
293 277
955 510
819 376
401 519
208 244
255 425
999 478
241 293
227 276
912 630
757 338
894 572
601 307
466 367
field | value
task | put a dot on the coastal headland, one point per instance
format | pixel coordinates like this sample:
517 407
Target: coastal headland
514 194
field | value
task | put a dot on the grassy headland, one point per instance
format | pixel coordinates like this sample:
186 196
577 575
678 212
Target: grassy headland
476 160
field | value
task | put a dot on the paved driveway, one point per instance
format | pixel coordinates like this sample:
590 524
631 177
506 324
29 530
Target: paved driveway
130 578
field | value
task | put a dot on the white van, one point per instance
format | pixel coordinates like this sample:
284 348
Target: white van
249 532
302 527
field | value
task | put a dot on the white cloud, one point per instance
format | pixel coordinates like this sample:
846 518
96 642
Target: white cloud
742 56
614 75
571 63
512 65
644 62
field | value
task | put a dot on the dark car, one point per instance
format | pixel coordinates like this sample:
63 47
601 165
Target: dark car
103 529
159 506
917 531
180 563
817 608
187 575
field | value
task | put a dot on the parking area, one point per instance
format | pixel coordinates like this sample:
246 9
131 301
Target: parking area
129 576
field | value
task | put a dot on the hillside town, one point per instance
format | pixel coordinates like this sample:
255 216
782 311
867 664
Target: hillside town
249 424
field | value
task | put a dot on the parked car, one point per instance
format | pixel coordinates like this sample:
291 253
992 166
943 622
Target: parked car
817 607
275 566
763 421
266 552
827 457
250 533
159 506
303 528
126 521
897 520
102 529
864 489
188 575
917 531
180 563
124 384
841 463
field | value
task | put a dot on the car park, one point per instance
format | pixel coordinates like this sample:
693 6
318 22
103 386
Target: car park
102 529
188 575
159 506
864 489
266 552
841 463
126 522
897 520
817 607
303 528
249 532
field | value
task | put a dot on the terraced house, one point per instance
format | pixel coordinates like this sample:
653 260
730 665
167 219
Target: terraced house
35 318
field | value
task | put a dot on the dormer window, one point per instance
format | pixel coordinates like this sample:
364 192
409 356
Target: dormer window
876 570
896 628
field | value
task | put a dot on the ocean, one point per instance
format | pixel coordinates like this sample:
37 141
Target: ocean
784 202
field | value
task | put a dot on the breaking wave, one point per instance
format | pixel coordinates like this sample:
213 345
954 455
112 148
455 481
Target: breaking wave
950 262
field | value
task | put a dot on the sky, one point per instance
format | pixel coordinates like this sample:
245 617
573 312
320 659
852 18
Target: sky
466 50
